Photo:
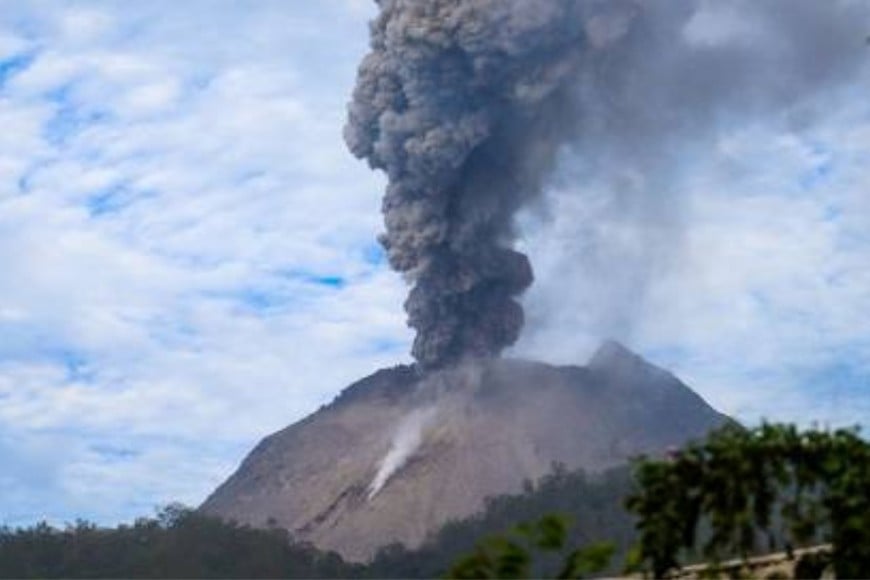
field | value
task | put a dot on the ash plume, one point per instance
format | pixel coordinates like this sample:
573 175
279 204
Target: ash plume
466 106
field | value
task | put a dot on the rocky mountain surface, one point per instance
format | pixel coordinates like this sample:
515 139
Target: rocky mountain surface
398 454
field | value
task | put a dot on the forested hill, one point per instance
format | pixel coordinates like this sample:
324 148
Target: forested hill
593 504
179 542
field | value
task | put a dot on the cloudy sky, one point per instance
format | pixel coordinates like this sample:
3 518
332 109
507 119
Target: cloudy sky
189 256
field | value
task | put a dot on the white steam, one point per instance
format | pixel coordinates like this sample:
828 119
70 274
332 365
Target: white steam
406 440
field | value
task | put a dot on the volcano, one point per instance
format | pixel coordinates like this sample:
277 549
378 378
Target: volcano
399 453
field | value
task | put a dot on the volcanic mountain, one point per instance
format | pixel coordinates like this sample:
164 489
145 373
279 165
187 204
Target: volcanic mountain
399 453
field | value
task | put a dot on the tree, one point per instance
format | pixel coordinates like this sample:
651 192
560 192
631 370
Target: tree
770 485
523 552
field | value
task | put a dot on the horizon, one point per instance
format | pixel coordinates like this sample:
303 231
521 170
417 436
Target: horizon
191 256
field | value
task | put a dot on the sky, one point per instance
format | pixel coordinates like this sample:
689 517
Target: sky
189 255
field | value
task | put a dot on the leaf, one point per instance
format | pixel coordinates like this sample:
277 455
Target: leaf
588 560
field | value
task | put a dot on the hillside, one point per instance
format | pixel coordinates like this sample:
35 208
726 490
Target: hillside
399 454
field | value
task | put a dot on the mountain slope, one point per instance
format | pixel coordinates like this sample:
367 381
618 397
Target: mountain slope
397 454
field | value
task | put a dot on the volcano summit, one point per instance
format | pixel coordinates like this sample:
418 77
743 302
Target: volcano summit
400 453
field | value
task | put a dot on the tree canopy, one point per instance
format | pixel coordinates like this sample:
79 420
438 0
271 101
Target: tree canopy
746 490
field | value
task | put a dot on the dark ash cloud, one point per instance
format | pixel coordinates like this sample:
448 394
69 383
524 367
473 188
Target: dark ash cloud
466 104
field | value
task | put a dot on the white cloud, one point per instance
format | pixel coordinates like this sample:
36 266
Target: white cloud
751 286
183 237
717 24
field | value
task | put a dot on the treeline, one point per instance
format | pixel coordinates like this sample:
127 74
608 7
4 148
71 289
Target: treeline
179 542
592 504
744 491
737 493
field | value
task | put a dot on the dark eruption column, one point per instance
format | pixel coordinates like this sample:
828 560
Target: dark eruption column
465 103
459 103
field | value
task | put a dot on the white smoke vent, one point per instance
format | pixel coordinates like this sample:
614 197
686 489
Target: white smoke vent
406 441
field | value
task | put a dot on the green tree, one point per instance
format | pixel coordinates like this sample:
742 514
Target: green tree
524 553
757 488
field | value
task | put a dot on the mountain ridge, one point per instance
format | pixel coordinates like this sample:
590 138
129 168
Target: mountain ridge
399 453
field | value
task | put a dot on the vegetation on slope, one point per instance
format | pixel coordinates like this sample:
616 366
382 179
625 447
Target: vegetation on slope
536 549
739 492
180 542
593 505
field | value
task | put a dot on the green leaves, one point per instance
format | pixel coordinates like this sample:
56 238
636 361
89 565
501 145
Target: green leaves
588 560
814 484
548 533
513 555
495 558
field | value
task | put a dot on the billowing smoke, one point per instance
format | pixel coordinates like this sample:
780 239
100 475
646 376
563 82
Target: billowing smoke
467 104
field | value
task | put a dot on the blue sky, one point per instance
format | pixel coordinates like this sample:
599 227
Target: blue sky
189 257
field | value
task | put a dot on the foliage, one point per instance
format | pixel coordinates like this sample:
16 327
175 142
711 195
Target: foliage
522 554
737 492
753 486
594 503
180 542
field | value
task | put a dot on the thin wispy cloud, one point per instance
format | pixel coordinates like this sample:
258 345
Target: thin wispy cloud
753 291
